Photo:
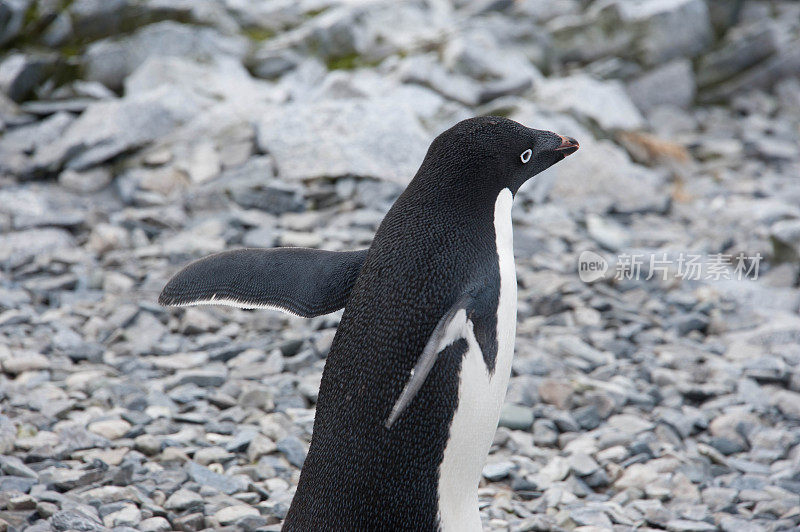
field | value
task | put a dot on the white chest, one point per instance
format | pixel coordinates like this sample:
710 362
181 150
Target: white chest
480 395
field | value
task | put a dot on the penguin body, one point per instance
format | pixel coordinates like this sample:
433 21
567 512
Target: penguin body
417 373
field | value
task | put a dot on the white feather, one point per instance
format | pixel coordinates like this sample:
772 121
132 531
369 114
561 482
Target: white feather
229 302
480 395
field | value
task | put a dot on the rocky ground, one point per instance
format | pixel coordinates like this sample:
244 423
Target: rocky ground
138 134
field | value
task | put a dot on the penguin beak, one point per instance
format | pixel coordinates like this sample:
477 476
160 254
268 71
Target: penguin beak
568 146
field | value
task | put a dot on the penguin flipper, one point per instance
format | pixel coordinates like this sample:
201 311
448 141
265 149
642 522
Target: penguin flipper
299 281
451 327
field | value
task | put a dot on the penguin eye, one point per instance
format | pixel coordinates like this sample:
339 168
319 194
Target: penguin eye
526 155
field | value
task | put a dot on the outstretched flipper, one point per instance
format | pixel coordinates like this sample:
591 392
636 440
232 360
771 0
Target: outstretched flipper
471 316
299 281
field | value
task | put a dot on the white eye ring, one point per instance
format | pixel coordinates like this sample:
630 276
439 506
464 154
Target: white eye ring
526 155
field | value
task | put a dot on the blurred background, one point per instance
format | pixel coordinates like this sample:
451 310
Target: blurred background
136 135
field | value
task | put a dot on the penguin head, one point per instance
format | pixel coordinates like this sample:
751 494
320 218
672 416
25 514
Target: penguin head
495 152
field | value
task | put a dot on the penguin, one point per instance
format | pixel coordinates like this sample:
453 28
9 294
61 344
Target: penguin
417 372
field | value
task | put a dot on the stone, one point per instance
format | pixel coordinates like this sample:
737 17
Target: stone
629 424
39 135
545 433
190 523
129 515
25 362
85 182
21 73
232 514
669 28
498 471
183 499
12 18
110 61
19 247
785 235
671 84
686 323
605 103
21 502
205 476
685 525
788 402
743 47
259 446
154 524
109 128
516 417
592 517
12 465
582 464
556 392
375 138
293 449
64 520
111 428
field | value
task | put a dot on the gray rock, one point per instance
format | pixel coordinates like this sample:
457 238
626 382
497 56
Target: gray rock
155 524
742 48
293 449
11 465
223 483
37 136
93 19
209 377
545 433
607 233
685 525
669 28
590 517
602 102
111 61
426 71
648 31
21 73
128 516
85 182
12 18
59 32
108 129
17 248
582 464
686 323
372 138
764 75
232 514
785 236
75 520
498 471
183 499
516 417
670 84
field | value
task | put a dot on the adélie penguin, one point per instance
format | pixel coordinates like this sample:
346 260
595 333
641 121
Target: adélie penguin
418 370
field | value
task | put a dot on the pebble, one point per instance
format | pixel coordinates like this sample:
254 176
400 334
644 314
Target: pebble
111 428
232 514
516 417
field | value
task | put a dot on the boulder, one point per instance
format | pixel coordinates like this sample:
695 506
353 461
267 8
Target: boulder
110 61
369 138
108 128
669 84
604 103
